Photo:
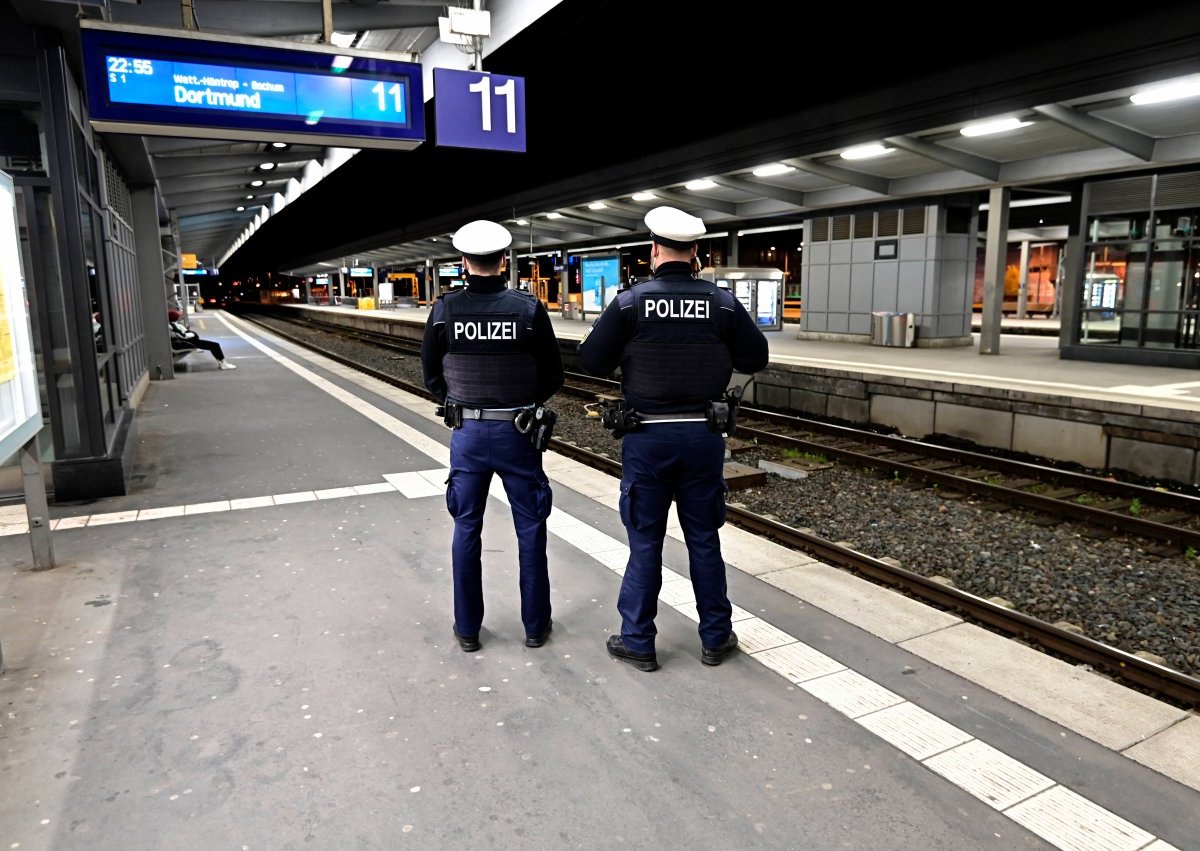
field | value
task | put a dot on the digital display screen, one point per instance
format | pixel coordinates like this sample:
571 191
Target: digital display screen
158 82
142 81
601 280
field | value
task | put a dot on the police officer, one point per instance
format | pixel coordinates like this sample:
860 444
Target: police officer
677 340
491 357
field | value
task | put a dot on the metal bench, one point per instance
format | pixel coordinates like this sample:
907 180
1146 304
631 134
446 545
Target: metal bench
180 349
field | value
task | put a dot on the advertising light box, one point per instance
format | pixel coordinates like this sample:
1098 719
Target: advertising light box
601 279
157 82
20 411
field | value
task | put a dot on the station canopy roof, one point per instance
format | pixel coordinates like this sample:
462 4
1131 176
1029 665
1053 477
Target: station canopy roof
731 113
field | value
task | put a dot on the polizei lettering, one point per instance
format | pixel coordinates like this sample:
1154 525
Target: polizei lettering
675 308
485 330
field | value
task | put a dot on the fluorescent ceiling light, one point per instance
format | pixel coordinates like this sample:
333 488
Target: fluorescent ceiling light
772 169
1034 202
342 39
862 152
554 215
1167 91
999 125
772 229
249 197
522 221
643 196
597 205
266 166
279 144
240 209
257 182
699 185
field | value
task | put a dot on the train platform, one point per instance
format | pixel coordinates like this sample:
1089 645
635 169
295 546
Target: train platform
1024 399
252 650
1027 360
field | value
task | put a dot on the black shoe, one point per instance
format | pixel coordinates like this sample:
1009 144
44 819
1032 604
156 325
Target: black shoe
469 643
539 639
717 655
641 661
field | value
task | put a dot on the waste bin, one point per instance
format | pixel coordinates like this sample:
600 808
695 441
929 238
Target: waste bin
892 329
570 310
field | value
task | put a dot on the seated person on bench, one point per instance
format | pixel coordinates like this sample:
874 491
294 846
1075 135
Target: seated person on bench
185 339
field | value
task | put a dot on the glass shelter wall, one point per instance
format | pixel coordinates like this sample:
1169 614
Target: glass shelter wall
1141 280
81 278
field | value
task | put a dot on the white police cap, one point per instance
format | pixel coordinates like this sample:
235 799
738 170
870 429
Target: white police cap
673 227
481 238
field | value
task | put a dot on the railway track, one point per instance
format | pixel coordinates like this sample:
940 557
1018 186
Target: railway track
1105 504
1169 517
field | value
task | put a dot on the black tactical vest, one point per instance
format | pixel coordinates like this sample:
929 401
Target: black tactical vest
675 360
489 363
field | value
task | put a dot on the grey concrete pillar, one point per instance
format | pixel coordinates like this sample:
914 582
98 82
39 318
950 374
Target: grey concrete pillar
995 259
1023 291
153 286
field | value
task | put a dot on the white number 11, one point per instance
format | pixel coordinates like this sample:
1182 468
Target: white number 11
508 90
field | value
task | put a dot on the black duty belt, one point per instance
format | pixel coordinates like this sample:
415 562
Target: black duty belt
488 414
682 417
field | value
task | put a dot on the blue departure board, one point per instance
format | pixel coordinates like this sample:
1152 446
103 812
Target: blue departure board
168 83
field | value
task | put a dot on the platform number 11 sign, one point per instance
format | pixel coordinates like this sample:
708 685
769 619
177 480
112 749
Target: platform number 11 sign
478 110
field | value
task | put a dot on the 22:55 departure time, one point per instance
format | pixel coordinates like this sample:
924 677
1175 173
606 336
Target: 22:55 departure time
124 65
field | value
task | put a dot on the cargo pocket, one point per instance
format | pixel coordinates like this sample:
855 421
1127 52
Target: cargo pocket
451 496
719 509
545 498
626 505
631 510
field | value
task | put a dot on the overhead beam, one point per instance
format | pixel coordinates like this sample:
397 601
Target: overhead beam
599 217
193 166
766 190
870 182
214 206
276 17
1121 138
696 202
630 208
980 166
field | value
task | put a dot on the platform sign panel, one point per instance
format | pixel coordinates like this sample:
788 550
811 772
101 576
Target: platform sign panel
20 410
157 82
474 109
600 278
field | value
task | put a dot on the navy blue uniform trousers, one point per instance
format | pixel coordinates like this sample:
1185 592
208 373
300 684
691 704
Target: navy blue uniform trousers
684 462
478 450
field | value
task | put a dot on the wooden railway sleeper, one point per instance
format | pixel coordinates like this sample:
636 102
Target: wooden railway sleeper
1063 493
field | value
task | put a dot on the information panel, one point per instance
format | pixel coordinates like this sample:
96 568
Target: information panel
160 83
600 278
20 411
474 109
